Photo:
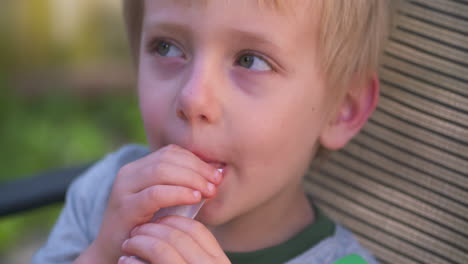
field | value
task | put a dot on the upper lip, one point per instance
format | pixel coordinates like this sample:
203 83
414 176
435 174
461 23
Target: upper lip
208 158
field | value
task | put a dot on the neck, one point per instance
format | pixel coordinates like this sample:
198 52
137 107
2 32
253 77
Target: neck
269 224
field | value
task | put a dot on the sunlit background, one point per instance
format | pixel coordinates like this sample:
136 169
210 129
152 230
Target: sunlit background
67 98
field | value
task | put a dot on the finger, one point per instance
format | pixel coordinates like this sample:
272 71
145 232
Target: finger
150 200
131 260
174 168
197 231
199 166
170 174
184 244
174 154
152 250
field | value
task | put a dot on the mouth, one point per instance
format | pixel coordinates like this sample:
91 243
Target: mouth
218 165
213 162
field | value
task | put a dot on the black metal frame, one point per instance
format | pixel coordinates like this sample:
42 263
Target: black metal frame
37 191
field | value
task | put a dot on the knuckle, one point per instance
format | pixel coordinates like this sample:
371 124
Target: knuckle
196 227
205 170
159 169
169 149
172 147
201 184
159 247
121 207
141 230
150 169
174 236
125 170
153 193
166 157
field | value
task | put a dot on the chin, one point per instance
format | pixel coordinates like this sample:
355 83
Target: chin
212 214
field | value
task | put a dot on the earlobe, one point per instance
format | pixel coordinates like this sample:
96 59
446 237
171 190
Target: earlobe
352 115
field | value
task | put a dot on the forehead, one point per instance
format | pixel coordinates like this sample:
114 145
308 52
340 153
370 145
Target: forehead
262 16
278 5
290 8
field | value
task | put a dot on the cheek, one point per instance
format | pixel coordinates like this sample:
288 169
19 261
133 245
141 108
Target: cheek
155 105
252 83
280 138
273 146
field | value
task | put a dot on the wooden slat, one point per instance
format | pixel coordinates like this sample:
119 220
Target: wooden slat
405 179
400 158
406 252
435 17
441 111
396 191
451 7
346 186
453 85
419 57
424 120
424 150
427 136
424 42
440 95
443 35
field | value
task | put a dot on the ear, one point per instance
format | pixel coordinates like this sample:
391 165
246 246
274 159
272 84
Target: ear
351 116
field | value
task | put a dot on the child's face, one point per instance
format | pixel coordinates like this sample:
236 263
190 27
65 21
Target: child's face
238 84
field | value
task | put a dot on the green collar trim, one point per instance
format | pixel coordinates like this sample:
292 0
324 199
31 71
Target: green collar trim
312 234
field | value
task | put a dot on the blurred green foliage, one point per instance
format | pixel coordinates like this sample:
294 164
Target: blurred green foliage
58 126
58 130
61 130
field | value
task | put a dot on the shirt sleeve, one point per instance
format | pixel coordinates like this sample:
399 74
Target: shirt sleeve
69 236
85 203
76 226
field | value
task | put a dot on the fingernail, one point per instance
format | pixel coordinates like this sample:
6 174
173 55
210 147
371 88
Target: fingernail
197 194
134 230
125 243
122 259
218 175
211 187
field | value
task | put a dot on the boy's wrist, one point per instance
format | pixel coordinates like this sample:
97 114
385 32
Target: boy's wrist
88 256
94 254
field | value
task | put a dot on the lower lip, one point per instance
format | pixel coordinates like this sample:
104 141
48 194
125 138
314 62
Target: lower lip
218 165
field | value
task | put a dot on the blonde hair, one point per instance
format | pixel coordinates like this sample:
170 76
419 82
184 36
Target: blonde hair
351 39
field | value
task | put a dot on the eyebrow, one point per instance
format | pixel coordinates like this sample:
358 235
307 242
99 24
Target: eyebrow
253 38
166 27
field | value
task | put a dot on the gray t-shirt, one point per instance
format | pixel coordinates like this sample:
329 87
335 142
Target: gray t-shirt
86 201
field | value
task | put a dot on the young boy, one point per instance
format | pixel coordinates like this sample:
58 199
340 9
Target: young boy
255 88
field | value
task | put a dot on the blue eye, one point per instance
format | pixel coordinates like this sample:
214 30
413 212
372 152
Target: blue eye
166 49
253 62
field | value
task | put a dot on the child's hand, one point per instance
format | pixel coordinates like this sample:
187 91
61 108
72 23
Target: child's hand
168 177
173 240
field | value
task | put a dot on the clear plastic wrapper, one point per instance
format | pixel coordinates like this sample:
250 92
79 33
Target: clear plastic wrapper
189 211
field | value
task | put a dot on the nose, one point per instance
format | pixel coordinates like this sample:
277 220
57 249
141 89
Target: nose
198 99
